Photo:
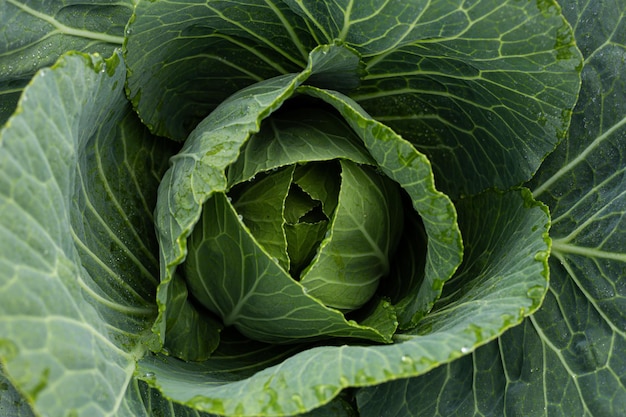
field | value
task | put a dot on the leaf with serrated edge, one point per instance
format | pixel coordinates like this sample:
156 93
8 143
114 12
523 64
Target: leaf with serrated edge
401 162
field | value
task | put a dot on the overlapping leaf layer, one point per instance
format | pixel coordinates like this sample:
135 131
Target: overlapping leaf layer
443 110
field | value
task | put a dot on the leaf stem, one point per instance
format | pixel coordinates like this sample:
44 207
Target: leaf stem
580 158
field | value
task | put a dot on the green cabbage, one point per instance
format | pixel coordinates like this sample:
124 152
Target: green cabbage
320 208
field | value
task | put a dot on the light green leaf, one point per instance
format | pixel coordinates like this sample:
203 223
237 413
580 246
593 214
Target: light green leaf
77 181
183 66
568 358
229 273
290 382
261 204
294 136
401 162
33 34
363 236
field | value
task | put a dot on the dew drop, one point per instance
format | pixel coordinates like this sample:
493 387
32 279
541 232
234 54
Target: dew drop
465 350
149 375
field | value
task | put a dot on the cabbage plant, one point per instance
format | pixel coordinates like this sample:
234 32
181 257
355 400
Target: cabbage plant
315 208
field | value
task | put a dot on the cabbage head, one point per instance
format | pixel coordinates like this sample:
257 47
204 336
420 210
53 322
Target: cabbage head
312 208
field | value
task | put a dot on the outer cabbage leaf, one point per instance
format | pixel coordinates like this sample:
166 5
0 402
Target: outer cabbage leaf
568 358
483 88
187 56
467 82
504 279
78 262
33 34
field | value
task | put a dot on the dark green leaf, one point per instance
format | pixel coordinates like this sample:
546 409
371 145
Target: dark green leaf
185 57
484 89
582 326
412 295
33 34
506 257
568 358
192 334
378 27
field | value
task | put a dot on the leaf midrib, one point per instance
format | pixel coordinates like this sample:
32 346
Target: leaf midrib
67 30
582 156
563 247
